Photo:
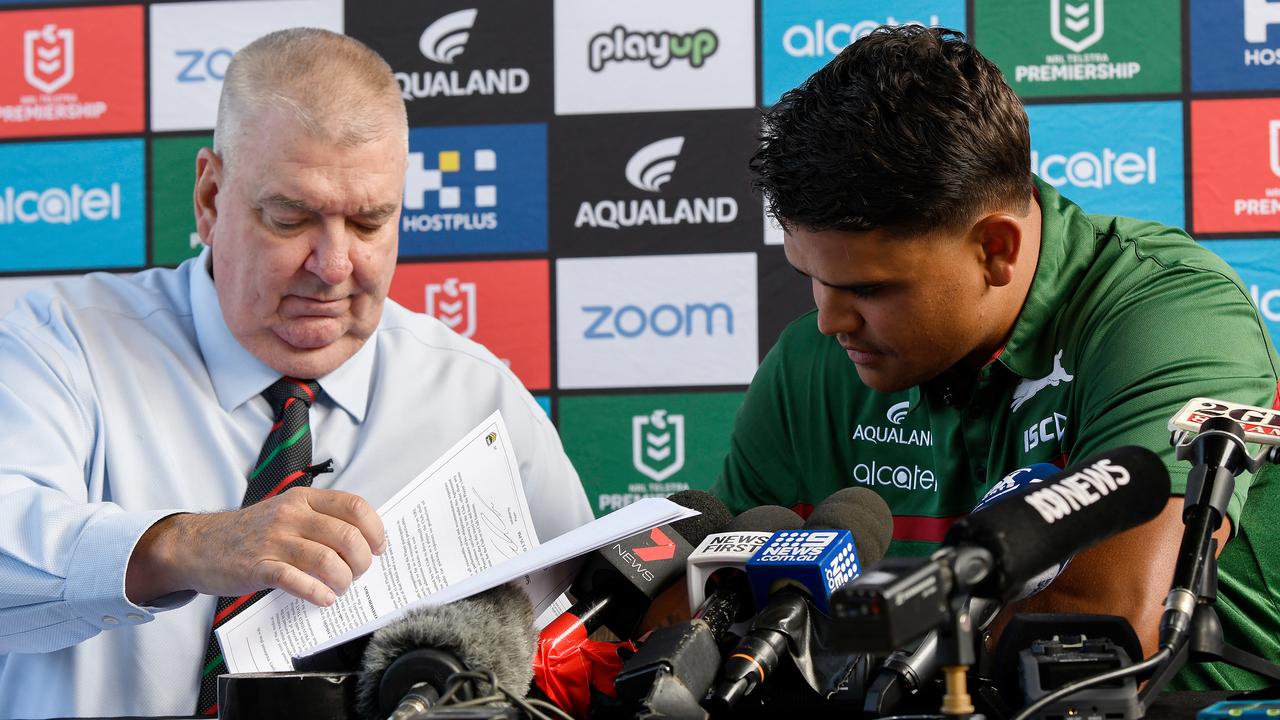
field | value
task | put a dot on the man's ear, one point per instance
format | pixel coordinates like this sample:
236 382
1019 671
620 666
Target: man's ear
209 174
998 237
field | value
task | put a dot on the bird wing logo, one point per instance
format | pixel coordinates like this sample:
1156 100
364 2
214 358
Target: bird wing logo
446 38
652 165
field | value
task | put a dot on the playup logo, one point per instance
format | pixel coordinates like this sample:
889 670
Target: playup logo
454 304
657 444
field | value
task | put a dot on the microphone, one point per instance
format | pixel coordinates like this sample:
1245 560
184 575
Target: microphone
994 552
676 665
407 665
904 673
795 569
613 590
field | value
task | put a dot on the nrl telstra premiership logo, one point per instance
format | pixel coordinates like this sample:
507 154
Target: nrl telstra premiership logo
454 304
1076 26
657 444
1273 128
48 57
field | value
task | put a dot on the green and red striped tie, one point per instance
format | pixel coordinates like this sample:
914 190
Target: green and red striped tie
285 462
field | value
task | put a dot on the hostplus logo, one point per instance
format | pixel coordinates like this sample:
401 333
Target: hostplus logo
609 322
1086 169
423 182
657 444
648 170
48 65
658 49
453 303
59 205
894 432
1077 27
1259 15
821 40
443 41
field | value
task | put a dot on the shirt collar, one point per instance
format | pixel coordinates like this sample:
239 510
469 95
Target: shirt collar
238 375
1067 241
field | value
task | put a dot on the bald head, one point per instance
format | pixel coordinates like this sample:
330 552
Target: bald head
333 85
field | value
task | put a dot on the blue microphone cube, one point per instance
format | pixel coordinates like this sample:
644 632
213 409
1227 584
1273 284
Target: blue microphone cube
819 561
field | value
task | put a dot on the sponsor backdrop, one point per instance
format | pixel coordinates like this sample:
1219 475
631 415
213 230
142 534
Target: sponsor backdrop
577 196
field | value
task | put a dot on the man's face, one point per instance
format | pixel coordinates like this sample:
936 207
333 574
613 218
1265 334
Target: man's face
304 241
905 310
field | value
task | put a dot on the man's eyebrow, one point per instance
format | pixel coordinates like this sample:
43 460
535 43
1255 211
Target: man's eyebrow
861 286
377 212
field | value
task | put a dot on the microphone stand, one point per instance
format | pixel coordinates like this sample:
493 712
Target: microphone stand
1190 628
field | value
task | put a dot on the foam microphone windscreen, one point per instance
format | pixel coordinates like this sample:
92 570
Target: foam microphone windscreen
1051 520
765 518
491 631
870 523
713 518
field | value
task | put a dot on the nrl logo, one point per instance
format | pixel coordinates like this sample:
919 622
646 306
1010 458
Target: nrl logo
657 444
1068 22
1274 128
48 57
454 304
1028 388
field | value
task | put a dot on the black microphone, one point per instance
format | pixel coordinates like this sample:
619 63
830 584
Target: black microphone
994 552
676 665
786 618
617 583
407 665
1083 505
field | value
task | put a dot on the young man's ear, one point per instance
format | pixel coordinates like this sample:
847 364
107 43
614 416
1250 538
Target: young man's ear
208 181
999 240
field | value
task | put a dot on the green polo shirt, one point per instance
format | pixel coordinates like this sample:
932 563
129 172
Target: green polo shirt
1125 321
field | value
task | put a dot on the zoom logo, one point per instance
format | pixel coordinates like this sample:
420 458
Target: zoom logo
659 320
203 66
665 320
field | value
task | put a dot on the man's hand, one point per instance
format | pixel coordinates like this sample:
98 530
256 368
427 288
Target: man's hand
309 542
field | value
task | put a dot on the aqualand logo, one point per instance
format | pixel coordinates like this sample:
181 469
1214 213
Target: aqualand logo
422 182
453 303
658 49
441 43
651 167
897 435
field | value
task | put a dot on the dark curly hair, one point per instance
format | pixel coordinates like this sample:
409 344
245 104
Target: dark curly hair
908 129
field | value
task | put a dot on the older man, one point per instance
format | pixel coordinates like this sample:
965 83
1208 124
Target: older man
272 362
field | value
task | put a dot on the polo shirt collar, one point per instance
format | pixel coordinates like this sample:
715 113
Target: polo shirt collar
238 375
1067 242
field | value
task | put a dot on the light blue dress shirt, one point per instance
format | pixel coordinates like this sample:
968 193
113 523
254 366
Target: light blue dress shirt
126 399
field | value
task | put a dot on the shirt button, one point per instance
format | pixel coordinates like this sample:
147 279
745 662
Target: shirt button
980 472
109 620
135 617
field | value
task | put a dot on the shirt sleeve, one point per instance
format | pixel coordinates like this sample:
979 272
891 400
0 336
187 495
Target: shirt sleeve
1192 333
62 557
760 468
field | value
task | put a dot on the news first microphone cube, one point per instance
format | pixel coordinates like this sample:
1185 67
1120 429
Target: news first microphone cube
817 560
717 552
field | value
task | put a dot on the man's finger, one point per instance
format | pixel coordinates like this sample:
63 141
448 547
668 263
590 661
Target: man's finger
344 538
295 582
352 509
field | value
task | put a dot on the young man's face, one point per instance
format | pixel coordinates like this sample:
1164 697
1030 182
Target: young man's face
905 309
304 242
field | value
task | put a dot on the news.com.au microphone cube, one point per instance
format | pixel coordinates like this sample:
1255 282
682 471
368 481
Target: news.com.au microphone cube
816 561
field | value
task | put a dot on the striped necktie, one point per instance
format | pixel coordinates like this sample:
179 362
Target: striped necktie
285 462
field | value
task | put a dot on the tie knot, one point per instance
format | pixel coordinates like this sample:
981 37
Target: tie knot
286 387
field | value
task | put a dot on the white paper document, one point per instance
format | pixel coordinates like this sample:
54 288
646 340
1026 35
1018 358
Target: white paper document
459 528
